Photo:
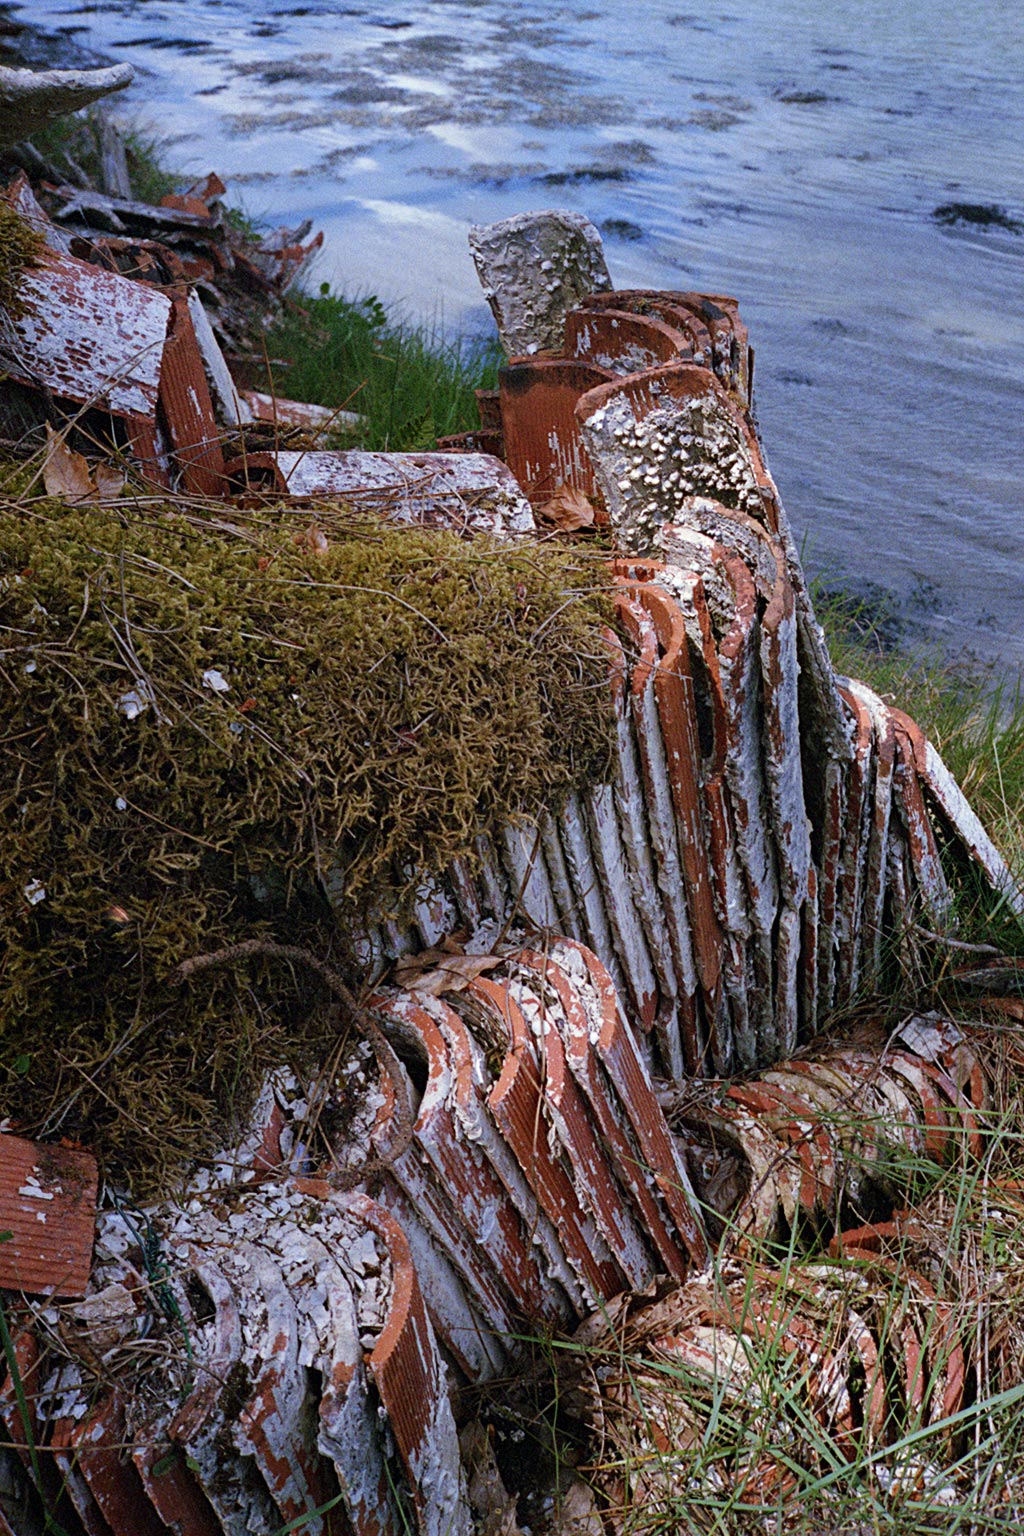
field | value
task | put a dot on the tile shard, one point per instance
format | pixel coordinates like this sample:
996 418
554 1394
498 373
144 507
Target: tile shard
48 1208
89 336
471 492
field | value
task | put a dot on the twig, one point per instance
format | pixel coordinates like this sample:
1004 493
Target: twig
970 949
355 1014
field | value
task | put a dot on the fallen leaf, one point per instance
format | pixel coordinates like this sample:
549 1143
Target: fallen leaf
109 482
568 510
494 1509
435 971
1012 1007
66 473
312 538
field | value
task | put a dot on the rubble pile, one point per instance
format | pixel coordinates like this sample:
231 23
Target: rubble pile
125 333
279 1342
852 1375
269 1343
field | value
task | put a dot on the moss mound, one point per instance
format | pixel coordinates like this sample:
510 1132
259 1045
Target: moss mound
202 720
20 248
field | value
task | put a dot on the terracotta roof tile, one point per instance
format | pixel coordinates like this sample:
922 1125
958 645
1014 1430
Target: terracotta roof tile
48 1205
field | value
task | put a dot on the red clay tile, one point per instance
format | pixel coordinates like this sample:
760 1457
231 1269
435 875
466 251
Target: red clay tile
183 203
187 409
111 1475
582 1148
680 1038
612 1121
855 843
543 448
469 1181
933 889
75 1489
273 1424
615 1046
516 1102
89 336
710 322
620 341
48 1205
640 833
431 1199
173 1491
678 717
407 1369
471 1088
875 871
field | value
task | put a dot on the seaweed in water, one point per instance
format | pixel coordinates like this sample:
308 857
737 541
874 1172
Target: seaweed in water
981 215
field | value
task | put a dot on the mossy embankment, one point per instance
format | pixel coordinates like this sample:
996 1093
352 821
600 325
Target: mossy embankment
205 717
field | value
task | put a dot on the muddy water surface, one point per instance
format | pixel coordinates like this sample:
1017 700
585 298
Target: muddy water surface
792 153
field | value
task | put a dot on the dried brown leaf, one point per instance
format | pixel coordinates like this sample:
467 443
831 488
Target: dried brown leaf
66 473
109 481
493 1507
436 971
568 510
312 538
407 967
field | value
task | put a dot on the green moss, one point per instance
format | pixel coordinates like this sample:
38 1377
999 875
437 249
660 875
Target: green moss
20 248
388 699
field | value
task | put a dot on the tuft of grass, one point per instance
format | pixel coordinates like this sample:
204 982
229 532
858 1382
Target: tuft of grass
73 143
410 382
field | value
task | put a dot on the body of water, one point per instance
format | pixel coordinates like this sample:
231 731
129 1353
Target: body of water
792 153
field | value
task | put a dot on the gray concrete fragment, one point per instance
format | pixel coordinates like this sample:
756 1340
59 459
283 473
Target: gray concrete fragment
533 269
31 99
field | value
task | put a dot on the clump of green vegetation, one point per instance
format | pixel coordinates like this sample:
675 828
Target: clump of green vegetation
203 720
73 144
797 1393
20 248
410 383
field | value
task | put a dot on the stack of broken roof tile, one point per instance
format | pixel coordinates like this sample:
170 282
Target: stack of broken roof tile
268 1347
277 1347
773 830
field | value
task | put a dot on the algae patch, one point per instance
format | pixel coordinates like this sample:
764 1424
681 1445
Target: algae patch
202 720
